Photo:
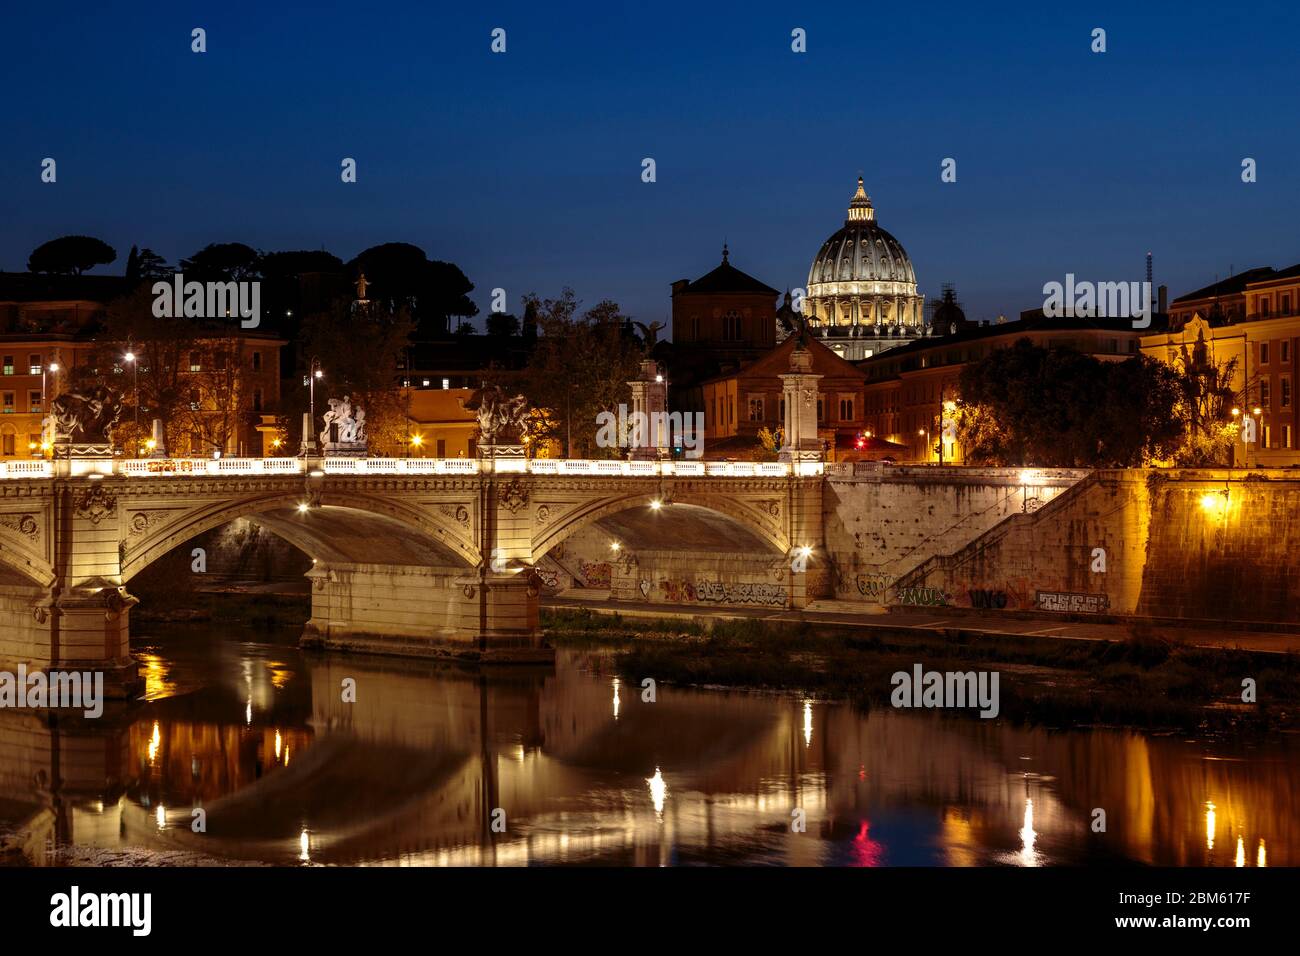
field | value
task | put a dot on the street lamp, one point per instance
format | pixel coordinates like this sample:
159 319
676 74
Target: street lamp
53 368
135 397
309 440
417 440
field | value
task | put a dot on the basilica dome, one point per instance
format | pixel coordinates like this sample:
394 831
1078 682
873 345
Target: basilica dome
861 281
861 251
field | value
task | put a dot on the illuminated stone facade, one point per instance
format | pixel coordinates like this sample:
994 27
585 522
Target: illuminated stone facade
862 295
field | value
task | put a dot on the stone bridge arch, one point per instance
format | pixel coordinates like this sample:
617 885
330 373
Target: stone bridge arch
756 518
334 528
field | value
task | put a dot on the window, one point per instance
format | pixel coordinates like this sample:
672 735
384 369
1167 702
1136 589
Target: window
1285 353
473 448
781 409
257 399
756 408
1263 307
9 365
34 363
34 401
1286 436
1285 308
1263 353
731 326
442 448
196 362
846 408
821 410
1263 392
1285 385
446 384
257 361
9 403
9 444
1268 436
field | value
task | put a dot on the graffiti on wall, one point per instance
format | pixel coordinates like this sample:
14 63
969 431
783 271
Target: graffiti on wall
597 574
923 597
550 578
988 599
874 587
719 592
1070 602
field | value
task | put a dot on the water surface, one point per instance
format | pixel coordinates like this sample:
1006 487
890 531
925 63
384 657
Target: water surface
242 725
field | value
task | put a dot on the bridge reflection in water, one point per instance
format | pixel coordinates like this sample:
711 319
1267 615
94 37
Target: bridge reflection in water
586 772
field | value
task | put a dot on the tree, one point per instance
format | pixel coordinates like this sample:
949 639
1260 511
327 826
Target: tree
184 375
580 367
1029 405
401 275
70 255
1205 399
359 352
502 325
223 262
144 265
152 267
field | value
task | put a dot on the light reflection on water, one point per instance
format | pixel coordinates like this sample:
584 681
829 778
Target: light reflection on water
410 774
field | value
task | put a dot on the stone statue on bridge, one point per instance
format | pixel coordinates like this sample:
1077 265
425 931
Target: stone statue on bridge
501 420
345 428
86 418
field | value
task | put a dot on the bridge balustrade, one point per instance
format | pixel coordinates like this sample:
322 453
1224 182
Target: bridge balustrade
147 467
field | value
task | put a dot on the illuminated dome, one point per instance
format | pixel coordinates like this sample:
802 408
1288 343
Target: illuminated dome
862 282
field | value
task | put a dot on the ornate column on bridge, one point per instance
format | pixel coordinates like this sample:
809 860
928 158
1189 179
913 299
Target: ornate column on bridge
800 389
504 593
649 414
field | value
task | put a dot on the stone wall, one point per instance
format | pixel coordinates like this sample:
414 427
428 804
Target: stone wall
883 521
1207 545
682 577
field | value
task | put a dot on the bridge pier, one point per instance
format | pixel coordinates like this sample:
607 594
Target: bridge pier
74 629
424 612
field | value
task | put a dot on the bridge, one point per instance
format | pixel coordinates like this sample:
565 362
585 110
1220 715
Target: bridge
410 556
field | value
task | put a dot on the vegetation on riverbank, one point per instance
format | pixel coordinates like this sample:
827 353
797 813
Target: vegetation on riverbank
225 607
1144 681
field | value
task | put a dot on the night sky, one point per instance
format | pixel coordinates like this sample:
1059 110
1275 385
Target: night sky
525 168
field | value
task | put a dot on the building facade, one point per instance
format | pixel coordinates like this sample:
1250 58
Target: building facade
739 404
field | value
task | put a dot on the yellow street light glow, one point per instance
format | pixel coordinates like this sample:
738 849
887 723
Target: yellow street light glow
805 550
302 506
1235 411
54 366
656 505
1256 409
614 546
417 440
1214 500
319 373
129 356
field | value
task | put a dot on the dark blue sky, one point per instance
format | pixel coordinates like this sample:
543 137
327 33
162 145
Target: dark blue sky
524 168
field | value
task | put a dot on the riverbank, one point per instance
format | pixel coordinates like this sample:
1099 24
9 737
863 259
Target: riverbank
225 605
1143 681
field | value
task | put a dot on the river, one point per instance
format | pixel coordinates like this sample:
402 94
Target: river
245 751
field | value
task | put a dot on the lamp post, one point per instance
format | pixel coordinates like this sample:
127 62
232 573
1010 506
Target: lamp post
309 440
1259 430
135 397
52 368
